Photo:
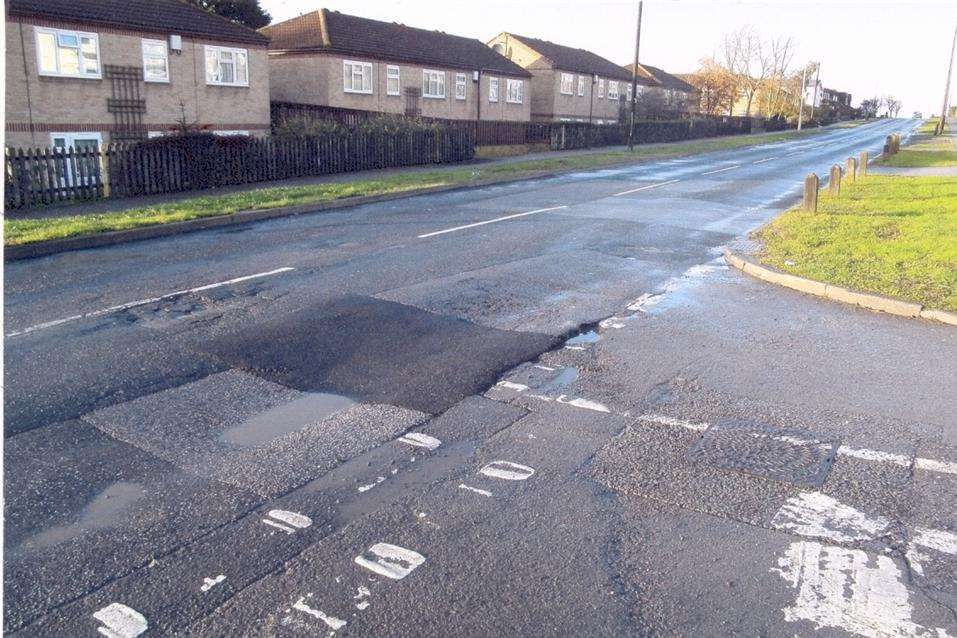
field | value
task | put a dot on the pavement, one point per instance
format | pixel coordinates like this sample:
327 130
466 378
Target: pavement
542 408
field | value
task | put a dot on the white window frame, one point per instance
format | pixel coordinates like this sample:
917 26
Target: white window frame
601 89
349 74
509 83
165 78
427 77
629 93
67 177
209 48
392 72
567 87
493 89
581 85
81 64
613 89
235 132
461 82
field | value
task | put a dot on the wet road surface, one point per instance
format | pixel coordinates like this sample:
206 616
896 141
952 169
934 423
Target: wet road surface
545 408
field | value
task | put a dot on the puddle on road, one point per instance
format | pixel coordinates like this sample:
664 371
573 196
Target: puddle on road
584 338
286 418
563 379
106 509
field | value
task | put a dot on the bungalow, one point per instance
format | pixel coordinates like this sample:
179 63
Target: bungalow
670 94
85 72
328 58
569 84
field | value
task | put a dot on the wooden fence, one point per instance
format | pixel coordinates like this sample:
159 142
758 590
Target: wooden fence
169 165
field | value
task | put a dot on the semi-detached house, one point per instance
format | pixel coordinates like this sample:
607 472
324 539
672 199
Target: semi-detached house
327 58
84 72
569 84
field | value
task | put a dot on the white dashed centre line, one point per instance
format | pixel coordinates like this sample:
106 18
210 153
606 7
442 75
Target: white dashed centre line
766 159
722 170
490 221
143 302
644 188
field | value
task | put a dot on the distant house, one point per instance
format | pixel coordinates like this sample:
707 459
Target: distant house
670 94
328 58
835 98
85 72
568 84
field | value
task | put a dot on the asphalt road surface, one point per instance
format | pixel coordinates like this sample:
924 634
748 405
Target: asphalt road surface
545 408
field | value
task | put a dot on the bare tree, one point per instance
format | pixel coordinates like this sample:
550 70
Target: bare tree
781 53
891 104
717 86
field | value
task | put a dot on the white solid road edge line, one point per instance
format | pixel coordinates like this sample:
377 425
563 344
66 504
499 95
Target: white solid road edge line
721 170
766 159
644 188
490 221
143 302
929 465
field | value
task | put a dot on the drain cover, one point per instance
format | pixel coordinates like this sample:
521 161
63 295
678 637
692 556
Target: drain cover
791 455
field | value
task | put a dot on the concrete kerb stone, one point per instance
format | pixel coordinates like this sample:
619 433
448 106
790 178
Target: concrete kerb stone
865 300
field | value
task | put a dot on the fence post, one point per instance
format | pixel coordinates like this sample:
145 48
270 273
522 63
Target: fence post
851 169
862 165
834 181
811 185
104 171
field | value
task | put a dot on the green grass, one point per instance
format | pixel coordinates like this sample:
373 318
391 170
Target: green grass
929 126
926 151
25 231
888 234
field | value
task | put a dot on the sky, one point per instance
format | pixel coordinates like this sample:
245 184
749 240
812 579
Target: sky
865 48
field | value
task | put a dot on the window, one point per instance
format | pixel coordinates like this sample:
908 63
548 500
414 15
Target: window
356 77
566 87
155 61
226 66
68 53
612 90
493 89
601 88
460 84
433 84
392 80
581 85
228 133
514 91
629 94
82 169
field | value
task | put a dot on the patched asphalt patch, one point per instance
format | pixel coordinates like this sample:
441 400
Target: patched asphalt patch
379 351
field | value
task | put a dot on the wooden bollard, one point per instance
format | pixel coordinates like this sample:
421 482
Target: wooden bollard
862 165
834 181
811 185
889 145
851 169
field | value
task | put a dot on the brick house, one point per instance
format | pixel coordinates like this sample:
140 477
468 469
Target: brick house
568 84
670 93
80 72
327 58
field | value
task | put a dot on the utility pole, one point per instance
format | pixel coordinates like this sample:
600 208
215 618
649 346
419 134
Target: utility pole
801 97
817 83
634 82
950 70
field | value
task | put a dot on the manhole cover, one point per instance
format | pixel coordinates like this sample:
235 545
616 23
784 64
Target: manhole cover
791 455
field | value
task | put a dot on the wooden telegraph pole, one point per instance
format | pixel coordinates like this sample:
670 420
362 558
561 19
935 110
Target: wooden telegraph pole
634 82
950 70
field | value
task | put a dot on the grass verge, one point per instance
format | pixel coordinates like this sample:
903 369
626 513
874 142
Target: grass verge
888 234
25 231
927 151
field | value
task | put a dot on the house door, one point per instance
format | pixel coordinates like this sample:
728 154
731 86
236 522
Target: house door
77 170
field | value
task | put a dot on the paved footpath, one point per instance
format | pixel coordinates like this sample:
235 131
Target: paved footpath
536 409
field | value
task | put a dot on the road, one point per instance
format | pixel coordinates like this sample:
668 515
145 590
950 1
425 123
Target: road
544 408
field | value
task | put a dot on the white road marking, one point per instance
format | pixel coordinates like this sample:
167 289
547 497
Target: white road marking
541 367
391 561
508 385
766 159
463 486
722 170
288 522
818 515
612 322
507 470
930 465
574 347
846 589
936 539
120 621
585 404
491 221
644 188
366 488
331 621
209 583
418 439
143 302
